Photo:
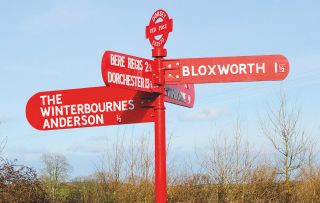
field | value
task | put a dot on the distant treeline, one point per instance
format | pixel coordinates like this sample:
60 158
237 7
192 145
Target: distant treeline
20 184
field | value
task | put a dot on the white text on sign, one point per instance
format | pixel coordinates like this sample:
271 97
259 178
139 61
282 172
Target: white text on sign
129 62
129 80
117 60
58 115
225 69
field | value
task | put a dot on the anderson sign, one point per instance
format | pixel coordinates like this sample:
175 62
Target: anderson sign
87 107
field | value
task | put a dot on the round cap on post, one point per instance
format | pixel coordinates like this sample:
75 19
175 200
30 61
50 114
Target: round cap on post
159 53
158 31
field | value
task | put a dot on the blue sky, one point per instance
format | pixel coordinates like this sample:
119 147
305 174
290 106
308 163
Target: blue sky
52 45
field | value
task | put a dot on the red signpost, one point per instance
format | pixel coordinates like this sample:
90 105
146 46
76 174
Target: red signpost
158 31
88 107
137 89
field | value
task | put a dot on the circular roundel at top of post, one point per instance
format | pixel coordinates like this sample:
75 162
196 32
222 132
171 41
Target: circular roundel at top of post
158 29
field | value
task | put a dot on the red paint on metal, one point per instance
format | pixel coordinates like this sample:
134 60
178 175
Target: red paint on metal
156 28
158 31
87 107
226 69
125 71
182 95
160 140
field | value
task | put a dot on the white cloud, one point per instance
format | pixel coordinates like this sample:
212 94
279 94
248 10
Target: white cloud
202 114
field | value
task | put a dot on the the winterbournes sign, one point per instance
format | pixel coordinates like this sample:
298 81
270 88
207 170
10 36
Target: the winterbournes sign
87 107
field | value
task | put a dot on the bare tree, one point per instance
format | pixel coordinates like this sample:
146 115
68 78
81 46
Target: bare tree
228 162
113 160
56 170
138 159
3 143
281 127
127 165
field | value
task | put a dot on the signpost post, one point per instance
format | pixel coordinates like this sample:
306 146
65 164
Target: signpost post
136 89
159 26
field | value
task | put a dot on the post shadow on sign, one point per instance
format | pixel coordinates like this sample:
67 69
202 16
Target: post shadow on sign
144 102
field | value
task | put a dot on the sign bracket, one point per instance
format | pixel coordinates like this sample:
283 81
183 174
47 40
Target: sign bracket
172 66
147 102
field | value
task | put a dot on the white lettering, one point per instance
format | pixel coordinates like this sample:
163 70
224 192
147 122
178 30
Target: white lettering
46 124
242 68
261 67
131 105
185 71
211 70
135 64
202 70
234 69
51 100
250 67
75 121
225 69
193 72
45 111
117 60
128 80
